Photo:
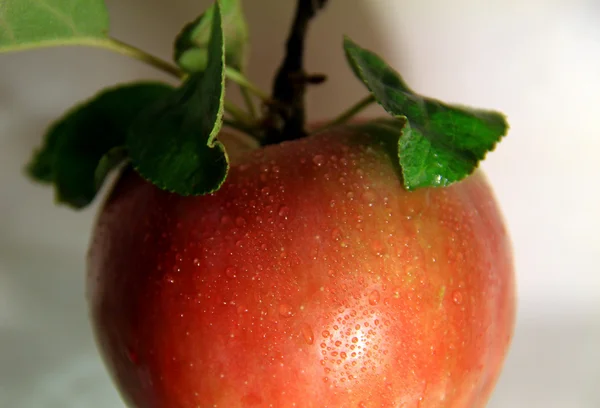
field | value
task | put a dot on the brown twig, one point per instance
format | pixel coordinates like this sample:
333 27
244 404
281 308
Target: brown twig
285 119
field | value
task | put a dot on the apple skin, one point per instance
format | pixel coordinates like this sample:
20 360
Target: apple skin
312 278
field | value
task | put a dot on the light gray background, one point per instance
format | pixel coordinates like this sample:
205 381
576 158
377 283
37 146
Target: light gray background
538 61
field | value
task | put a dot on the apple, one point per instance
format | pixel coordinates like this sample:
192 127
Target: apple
311 278
352 265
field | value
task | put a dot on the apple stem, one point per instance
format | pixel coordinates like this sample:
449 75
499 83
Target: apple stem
286 115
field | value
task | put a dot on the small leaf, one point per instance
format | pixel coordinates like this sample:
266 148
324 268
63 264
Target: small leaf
37 23
439 144
173 143
81 148
191 45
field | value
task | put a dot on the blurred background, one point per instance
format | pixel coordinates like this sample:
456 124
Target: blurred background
537 61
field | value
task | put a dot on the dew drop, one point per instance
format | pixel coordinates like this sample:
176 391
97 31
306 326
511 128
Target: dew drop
318 160
133 357
285 310
377 248
325 333
354 339
307 333
336 234
284 211
225 220
240 221
457 297
374 298
369 197
231 272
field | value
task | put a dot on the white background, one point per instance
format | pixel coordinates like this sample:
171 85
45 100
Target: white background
537 61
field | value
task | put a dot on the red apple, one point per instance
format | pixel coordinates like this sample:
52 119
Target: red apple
312 278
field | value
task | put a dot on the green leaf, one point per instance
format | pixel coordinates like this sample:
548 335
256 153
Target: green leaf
28 24
191 45
438 144
173 143
81 148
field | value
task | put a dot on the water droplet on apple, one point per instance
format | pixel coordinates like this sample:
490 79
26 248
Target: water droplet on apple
285 310
336 234
225 220
231 272
374 298
325 333
457 297
319 160
307 333
284 211
133 357
240 221
377 247
369 197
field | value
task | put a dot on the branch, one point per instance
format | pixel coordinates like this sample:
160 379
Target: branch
286 111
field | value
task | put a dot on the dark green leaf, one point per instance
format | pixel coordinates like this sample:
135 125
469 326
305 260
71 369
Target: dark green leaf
191 46
112 159
81 148
37 23
173 143
439 144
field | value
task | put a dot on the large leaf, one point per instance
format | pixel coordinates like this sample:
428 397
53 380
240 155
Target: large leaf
191 45
81 148
37 23
438 143
173 143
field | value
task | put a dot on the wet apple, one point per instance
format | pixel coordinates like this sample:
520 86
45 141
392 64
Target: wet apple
311 278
